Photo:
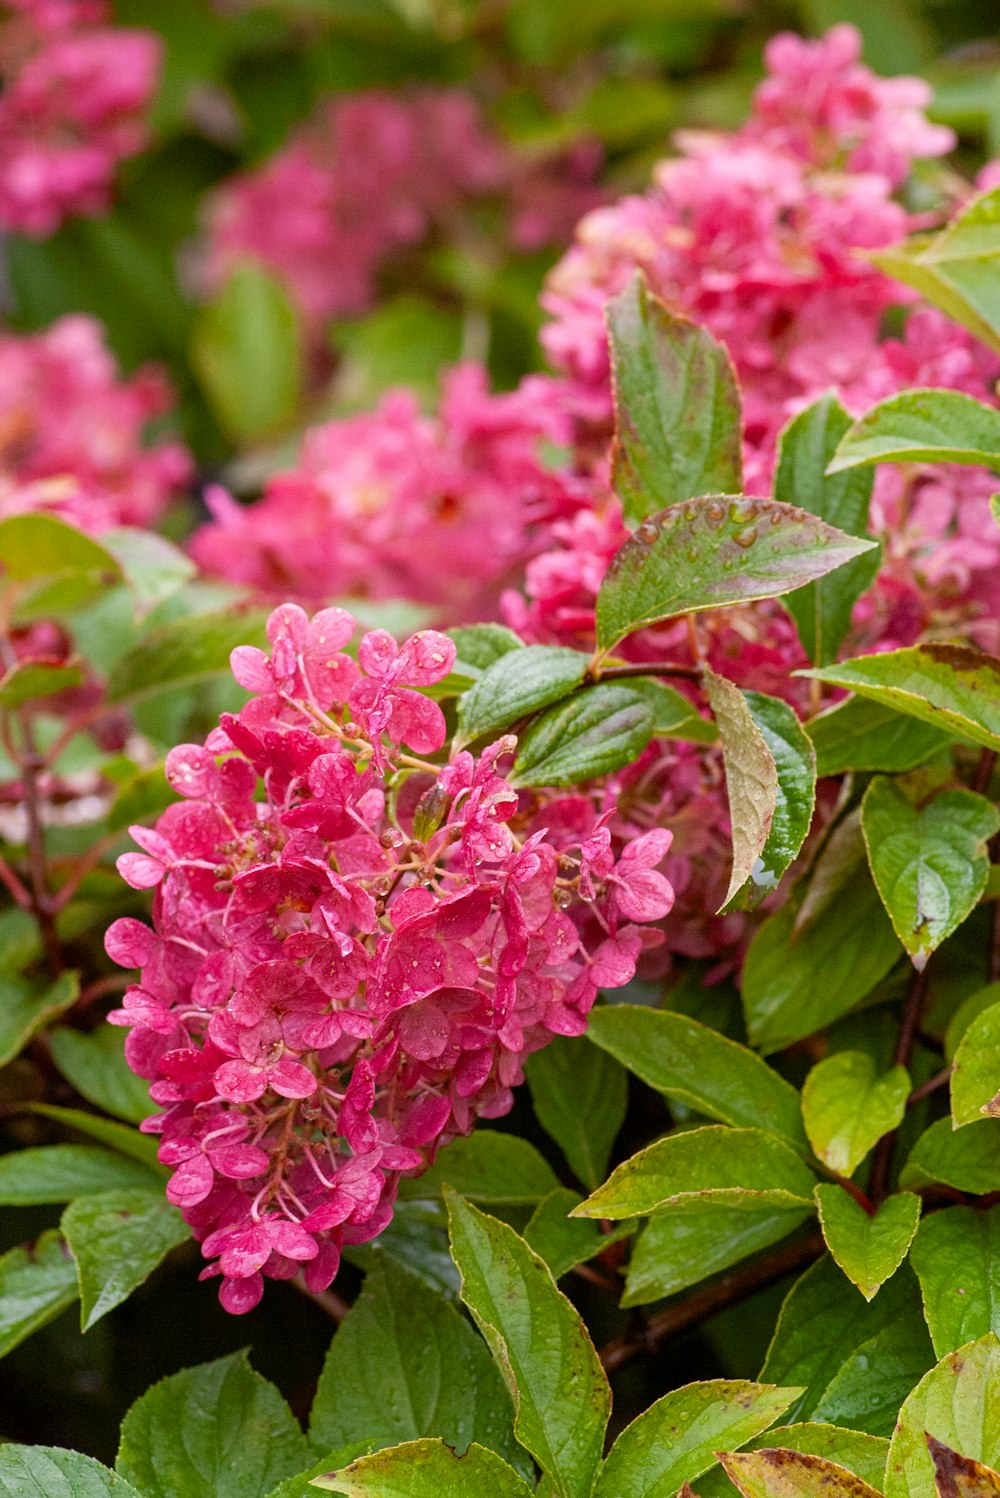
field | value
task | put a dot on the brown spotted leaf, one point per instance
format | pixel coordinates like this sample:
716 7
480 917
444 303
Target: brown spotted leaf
751 779
776 1472
960 1476
712 551
677 406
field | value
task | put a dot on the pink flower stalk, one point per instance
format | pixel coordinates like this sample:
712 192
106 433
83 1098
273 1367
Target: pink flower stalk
71 431
396 504
347 970
74 93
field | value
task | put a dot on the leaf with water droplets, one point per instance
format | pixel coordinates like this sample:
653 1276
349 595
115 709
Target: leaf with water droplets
717 550
677 406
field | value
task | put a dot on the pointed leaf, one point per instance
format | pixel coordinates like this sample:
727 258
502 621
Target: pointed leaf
183 652
699 1067
922 426
541 1346
151 566
36 1285
822 610
717 550
678 430
930 865
564 1241
714 1165
40 545
674 716
96 1066
516 684
579 1094
868 1389
597 730
117 1136
62 1172
950 686
960 1476
216 1429
682 1246
957 1402
117 1239
675 1440
847 1107
967 1159
51 1472
500 1169
751 785
405 1364
426 1469
30 680
24 1010
860 734
868 1249
975 1077
776 1473
861 1454
956 1256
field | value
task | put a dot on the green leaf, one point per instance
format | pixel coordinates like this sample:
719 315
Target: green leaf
41 546
427 1469
922 426
24 1011
967 1159
710 1166
860 734
36 1286
561 1395
847 1107
930 865
684 1245
674 717
28 680
416 1238
969 1009
709 552
246 352
822 610
861 1454
479 645
51 1472
140 799
116 1136
516 684
564 1241
975 1077
797 982
956 269
152 567
186 651
406 1364
869 1387
958 1402
771 786
579 1095
61 1172
777 1473
950 686
597 730
678 427
499 1169
676 1439
96 1066
697 1066
868 1249
822 1323
216 1429
117 1239
956 1256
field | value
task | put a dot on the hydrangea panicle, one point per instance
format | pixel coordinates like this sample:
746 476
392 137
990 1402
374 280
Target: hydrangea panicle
347 968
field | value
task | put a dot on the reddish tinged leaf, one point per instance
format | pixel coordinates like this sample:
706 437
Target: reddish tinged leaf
776 1472
958 1476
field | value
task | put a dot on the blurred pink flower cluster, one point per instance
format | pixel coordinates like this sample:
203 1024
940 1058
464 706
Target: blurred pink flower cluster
346 973
74 92
373 174
394 504
72 431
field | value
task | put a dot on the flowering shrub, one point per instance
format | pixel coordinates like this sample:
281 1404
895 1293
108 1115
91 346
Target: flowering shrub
527 851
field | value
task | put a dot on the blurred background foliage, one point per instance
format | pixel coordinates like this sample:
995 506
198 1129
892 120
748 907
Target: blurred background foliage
238 77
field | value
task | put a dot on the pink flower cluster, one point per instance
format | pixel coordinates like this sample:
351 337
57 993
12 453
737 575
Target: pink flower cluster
396 504
373 175
71 431
345 973
74 92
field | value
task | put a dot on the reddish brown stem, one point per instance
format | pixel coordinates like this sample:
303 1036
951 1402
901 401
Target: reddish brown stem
328 1300
648 668
41 902
940 1079
913 1013
728 1291
18 891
